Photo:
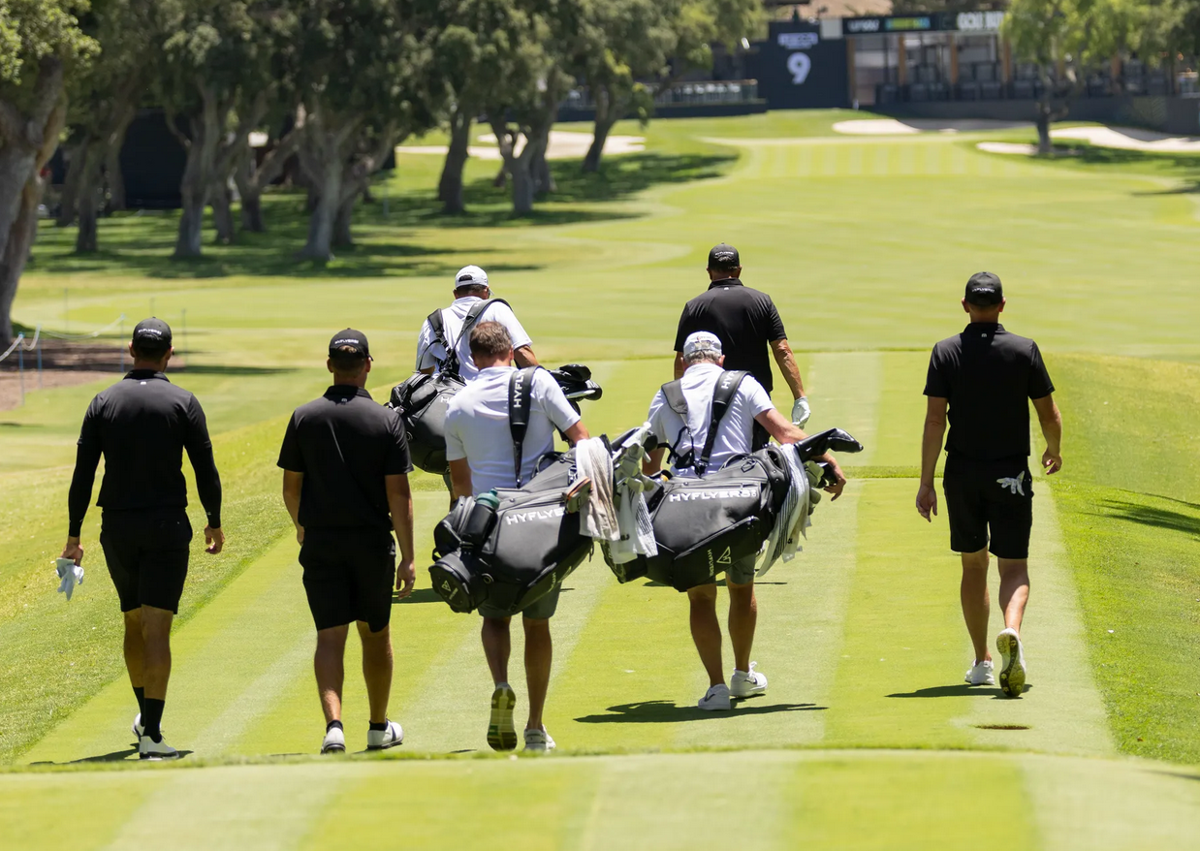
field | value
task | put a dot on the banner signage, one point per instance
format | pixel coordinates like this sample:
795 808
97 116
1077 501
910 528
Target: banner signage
966 22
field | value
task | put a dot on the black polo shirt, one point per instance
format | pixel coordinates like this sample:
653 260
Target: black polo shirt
989 376
142 425
744 320
344 444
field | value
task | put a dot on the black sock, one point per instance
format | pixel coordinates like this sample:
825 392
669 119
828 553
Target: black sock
333 724
140 694
379 728
152 717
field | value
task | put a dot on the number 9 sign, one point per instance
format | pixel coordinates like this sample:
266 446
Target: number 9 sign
799 64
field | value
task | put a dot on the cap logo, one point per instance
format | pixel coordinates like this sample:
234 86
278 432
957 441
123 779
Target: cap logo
349 341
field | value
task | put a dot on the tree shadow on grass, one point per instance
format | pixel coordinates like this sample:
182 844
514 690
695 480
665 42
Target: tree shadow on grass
959 690
664 712
1146 515
115 756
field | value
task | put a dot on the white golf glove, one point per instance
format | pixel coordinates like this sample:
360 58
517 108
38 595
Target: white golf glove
71 575
801 412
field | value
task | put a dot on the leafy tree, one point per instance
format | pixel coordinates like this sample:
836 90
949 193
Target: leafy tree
218 81
365 80
630 51
1065 40
41 46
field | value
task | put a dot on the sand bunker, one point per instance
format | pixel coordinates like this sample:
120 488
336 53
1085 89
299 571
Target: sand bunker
910 126
1131 139
564 145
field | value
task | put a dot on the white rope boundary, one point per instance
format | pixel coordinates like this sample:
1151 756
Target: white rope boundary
39 333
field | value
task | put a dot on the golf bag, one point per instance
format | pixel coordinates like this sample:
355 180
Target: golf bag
423 400
703 526
510 549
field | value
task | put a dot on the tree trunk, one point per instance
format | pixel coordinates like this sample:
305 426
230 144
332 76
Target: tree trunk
342 238
524 186
543 178
68 204
324 212
222 212
600 131
1043 129
86 240
113 175
16 253
450 187
16 167
191 221
252 217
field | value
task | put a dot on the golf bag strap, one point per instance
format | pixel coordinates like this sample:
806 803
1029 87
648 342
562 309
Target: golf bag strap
673 393
469 322
520 399
723 393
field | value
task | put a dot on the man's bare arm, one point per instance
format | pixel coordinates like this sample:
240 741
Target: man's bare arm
785 432
292 485
653 462
782 351
680 365
426 371
460 478
1051 422
400 504
931 448
524 357
576 433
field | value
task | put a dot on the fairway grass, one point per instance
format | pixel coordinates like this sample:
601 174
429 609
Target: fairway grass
867 738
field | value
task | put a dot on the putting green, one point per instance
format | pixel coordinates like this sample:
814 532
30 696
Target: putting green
867 737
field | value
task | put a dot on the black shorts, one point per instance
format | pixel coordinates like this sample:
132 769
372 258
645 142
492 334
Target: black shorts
993 497
349 575
147 555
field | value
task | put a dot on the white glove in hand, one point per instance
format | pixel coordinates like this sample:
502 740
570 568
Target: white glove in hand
71 575
801 412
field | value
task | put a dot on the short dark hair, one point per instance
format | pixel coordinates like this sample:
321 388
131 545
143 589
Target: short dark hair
471 289
141 351
347 360
490 340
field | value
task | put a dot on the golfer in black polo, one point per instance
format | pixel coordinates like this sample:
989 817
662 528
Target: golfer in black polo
142 425
748 325
345 483
986 376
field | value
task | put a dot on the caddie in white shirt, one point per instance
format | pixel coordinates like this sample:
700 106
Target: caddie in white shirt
686 441
479 447
471 287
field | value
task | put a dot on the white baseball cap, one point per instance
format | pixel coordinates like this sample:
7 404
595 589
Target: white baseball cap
470 276
702 341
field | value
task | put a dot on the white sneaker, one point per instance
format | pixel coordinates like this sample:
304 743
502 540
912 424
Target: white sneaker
502 734
980 674
1012 670
150 749
335 741
748 683
538 741
378 740
137 729
716 699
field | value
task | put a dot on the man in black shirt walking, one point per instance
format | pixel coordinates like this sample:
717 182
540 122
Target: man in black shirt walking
345 484
141 426
986 376
747 324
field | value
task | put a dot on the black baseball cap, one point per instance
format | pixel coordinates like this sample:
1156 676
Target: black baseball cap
984 290
355 340
152 333
723 256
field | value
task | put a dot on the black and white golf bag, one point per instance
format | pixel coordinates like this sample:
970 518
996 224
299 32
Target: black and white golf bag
510 555
705 525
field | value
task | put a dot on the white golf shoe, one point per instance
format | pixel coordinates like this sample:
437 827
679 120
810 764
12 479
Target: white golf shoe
379 740
538 741
335 741
980 674
716 699
137 729
150 749
1012 669
748 683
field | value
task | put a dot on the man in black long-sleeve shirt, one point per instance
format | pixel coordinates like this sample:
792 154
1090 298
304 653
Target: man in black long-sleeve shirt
141 426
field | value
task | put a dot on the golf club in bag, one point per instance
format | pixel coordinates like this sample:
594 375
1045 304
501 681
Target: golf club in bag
423 401
705 525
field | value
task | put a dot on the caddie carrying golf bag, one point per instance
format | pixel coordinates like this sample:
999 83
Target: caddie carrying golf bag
703 526
423 400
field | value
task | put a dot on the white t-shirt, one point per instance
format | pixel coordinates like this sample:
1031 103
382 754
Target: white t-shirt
734 435
431 353
477 427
